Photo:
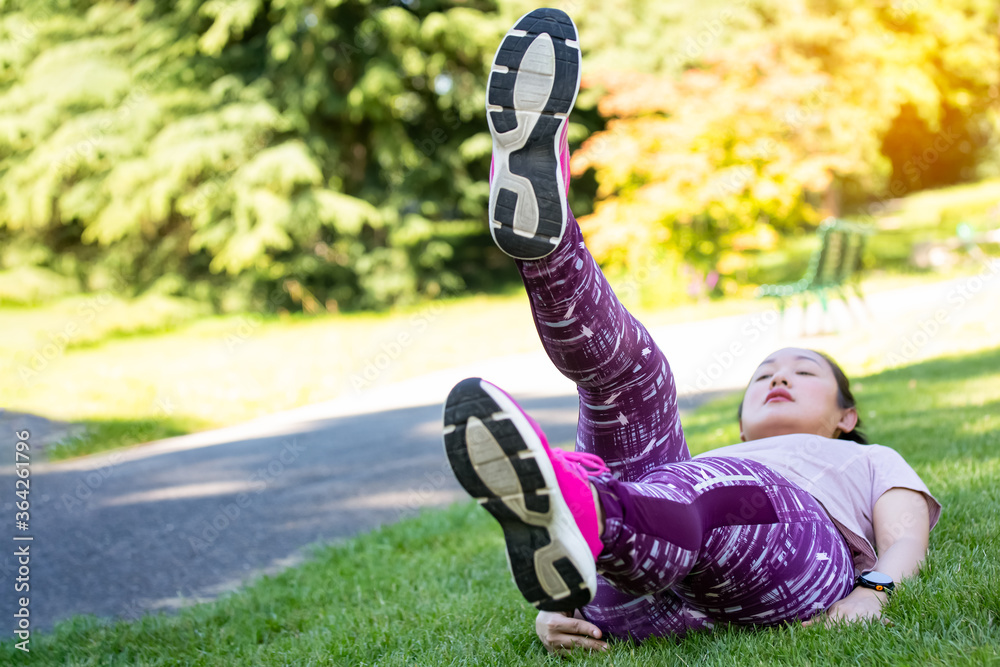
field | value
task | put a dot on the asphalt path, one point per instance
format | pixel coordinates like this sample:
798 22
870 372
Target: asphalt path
180 521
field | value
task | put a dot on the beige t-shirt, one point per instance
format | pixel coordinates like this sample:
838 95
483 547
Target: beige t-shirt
845 477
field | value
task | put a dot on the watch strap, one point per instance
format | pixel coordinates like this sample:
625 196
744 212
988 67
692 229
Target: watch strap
882 582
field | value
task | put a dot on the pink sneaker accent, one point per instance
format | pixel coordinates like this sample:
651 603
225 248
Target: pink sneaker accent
572 473
563 157
571 469
541 496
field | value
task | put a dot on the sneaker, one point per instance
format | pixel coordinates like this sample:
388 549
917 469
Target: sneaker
532 87
539 495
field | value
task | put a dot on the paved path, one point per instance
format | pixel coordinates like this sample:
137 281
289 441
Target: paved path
181 520
184 519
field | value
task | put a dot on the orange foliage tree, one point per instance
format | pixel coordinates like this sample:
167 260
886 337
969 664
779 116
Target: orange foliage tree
709 168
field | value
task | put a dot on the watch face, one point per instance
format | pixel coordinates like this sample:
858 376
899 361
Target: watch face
877 578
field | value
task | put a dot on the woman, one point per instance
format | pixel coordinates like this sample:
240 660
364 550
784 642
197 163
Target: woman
629 536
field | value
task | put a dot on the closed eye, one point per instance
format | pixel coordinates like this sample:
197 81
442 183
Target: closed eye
804 373
762 377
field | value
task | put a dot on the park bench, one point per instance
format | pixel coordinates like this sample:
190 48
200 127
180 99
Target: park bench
833 269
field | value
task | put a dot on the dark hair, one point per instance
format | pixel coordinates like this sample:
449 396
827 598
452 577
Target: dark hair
845 399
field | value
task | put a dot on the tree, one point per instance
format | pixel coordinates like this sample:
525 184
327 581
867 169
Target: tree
755 138
299 154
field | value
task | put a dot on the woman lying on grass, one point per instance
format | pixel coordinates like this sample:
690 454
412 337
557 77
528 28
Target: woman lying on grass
629 536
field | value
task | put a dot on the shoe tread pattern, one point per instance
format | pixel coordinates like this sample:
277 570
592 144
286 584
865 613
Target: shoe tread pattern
537 160
469 403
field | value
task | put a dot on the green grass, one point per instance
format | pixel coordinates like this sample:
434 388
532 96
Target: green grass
434 590
101 435
943 209
933 215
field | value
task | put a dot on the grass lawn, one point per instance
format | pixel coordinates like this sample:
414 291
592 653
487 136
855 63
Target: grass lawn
434 590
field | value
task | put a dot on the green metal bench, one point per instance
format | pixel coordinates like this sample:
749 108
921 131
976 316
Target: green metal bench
833 269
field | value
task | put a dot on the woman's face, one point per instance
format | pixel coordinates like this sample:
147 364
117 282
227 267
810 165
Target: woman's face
794 391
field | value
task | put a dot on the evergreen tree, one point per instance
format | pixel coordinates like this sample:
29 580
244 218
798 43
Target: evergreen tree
299 153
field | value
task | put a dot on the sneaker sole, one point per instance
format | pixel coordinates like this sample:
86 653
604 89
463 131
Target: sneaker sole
499 460
531 90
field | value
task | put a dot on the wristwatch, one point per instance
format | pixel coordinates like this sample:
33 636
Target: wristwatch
877 582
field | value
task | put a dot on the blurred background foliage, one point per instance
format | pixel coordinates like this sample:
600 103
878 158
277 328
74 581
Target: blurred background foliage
829 108
323 156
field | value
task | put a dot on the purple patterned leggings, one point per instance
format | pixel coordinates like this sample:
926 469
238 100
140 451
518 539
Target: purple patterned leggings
687 542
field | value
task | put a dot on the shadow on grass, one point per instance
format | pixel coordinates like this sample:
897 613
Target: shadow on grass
957 367
935 410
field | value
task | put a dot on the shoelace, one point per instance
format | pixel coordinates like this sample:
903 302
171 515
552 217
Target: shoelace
582 463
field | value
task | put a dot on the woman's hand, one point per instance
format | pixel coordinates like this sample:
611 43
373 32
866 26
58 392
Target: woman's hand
860 604
560 633
901 521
